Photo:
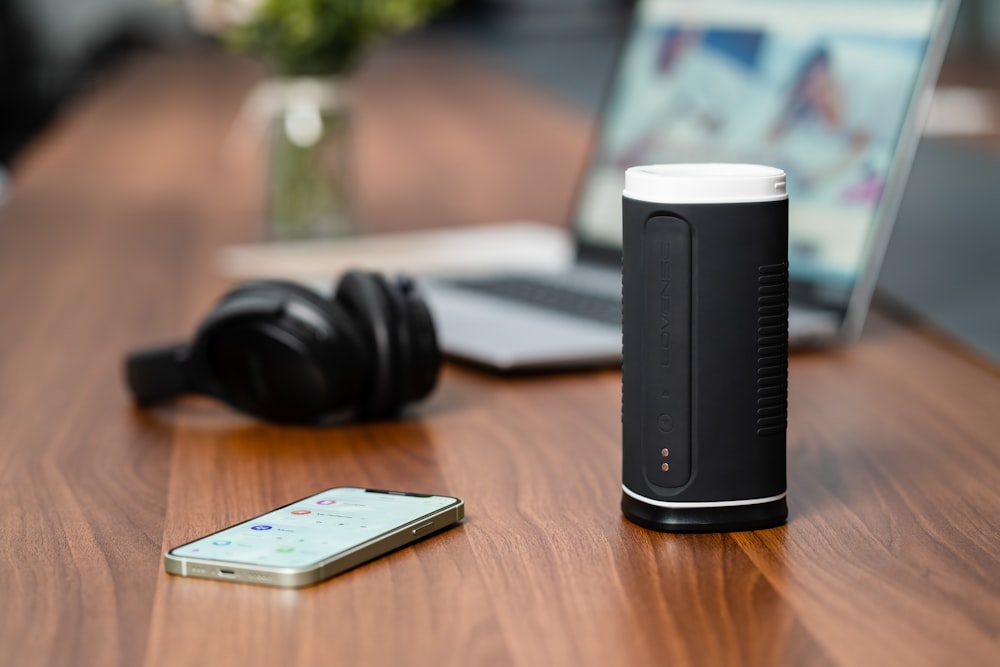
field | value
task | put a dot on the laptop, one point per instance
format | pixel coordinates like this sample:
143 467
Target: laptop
832 91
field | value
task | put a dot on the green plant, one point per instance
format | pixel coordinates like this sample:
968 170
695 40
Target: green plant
323 36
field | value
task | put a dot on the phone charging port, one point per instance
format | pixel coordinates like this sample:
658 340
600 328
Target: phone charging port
227 573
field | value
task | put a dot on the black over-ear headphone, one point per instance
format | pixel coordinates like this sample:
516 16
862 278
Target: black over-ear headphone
279 351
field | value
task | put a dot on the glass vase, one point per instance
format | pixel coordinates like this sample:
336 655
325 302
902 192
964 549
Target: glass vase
309 184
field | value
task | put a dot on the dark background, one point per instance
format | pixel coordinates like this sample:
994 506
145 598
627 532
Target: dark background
51 50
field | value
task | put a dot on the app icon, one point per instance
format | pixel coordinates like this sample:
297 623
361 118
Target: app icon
326 501
221 543
260 526
301 512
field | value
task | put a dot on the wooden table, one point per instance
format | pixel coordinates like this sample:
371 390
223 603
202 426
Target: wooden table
108 242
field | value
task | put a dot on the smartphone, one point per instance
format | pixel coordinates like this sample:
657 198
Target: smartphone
315 538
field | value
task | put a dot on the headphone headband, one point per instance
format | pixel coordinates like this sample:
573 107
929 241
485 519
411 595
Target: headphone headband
158 374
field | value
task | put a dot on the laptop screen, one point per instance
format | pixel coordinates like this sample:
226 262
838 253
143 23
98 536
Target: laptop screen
819 88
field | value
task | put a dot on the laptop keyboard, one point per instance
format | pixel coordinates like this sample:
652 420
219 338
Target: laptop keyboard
553 297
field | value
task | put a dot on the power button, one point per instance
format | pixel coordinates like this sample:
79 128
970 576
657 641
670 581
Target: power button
423 529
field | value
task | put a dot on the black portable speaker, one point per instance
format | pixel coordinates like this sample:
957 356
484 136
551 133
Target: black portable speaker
705 347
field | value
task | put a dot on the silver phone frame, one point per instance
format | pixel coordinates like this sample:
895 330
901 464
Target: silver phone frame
297 577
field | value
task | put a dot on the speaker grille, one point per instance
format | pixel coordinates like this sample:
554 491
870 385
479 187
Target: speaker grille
772 349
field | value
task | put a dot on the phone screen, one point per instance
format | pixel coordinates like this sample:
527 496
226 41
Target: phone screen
313 529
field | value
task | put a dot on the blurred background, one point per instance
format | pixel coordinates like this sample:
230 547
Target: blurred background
52 50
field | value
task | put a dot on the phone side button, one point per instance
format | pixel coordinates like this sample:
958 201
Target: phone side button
423 529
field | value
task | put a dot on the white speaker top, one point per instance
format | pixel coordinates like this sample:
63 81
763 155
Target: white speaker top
705 183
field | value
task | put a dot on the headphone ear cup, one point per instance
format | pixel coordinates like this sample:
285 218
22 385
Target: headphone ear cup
424 353
334 315
299 360
366 298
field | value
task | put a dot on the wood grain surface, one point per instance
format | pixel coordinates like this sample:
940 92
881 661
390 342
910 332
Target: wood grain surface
108 242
